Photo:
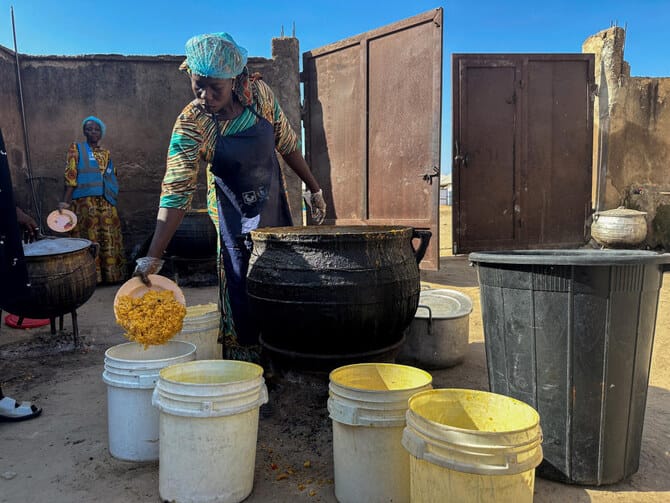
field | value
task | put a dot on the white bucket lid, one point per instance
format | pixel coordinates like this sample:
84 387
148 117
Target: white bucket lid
443 304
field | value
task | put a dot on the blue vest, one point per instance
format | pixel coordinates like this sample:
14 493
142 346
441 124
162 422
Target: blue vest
90 181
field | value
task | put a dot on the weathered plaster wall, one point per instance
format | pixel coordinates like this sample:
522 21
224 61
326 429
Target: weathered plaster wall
632 135
10 120
138 98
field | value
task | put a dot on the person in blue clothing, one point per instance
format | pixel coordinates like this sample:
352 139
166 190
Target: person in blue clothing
91 190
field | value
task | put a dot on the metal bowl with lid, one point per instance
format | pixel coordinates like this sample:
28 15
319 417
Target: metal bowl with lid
438 335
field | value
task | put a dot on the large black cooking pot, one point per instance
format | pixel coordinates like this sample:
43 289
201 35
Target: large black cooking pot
195 238
335 293
62 277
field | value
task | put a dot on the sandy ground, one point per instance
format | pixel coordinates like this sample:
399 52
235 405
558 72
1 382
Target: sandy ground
63 456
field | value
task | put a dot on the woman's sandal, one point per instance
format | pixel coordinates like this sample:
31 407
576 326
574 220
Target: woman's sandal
11 410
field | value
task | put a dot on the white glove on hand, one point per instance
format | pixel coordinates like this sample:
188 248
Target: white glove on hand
146 266
316 204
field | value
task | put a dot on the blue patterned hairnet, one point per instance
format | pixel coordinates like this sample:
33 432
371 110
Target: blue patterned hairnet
215 55
97 121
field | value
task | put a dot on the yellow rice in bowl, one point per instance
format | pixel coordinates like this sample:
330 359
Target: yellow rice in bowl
154 318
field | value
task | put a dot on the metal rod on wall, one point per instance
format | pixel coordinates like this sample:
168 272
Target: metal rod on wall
24 122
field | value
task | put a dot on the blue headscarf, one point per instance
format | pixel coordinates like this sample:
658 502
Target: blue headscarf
215 55
97 121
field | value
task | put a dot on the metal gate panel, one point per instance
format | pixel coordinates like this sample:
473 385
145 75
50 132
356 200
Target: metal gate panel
488 120
522 167
409 156
335 129
372 126
559 141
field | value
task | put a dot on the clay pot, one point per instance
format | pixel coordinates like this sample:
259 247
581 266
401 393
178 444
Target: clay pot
619 227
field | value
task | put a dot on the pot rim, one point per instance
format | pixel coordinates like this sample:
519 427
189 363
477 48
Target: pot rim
621 211
84 245
330 232
437 310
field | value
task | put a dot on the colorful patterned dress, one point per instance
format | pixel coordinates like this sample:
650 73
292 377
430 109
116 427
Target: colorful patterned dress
194 139
98 221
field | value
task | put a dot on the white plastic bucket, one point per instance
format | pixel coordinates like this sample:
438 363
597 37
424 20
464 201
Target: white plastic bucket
468 445
367 403
130 374
201 327
208 430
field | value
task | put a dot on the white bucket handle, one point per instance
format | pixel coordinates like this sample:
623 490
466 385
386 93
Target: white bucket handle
207 408
354 415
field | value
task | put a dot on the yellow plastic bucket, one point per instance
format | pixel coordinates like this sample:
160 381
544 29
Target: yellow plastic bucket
367 403
468 445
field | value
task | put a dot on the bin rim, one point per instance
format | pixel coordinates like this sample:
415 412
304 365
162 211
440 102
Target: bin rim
578 257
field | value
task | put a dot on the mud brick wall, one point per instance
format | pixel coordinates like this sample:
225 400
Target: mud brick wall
631 136
138 98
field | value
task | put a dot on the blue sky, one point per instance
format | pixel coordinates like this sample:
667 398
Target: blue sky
152 27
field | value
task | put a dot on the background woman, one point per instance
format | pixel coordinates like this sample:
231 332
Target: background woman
235 125
91 188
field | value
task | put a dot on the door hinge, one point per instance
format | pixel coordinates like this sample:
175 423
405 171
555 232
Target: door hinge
428 176
460 159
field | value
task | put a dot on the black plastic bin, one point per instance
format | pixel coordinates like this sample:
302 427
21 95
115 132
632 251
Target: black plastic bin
570 332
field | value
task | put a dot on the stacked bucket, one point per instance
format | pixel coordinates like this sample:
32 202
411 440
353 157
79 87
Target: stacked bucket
189 415
368 403
201 327
131 373
208 415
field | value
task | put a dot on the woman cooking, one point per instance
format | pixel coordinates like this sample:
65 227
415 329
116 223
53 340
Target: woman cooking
234 124
91 188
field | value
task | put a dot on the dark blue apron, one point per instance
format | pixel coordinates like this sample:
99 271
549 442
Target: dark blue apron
249 194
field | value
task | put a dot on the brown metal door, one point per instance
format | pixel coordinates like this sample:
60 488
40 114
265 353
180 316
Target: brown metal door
372 126
523 135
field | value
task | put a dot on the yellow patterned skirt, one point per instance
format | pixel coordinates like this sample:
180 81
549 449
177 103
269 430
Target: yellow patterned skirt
98 221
